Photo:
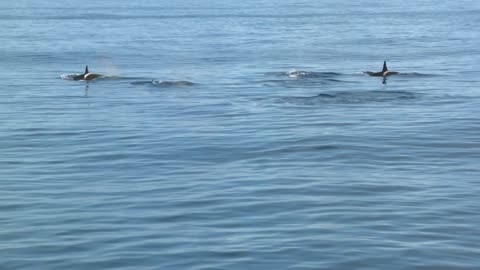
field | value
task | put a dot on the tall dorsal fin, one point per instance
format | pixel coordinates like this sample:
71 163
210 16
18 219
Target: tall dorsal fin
86 69
384 66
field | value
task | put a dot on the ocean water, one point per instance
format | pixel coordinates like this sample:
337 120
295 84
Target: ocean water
239 135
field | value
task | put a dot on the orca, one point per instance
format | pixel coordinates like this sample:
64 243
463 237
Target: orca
87 76
384 73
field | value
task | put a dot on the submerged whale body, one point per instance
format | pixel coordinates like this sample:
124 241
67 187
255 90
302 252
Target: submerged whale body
87 76
384 73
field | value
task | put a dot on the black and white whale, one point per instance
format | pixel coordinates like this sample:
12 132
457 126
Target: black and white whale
384 73
87 76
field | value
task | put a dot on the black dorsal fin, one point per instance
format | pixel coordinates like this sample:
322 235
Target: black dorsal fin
384 66
86 69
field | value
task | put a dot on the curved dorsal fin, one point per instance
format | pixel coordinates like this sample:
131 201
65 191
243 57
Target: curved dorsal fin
384 66
86 69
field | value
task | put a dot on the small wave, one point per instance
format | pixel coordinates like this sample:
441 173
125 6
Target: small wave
298 74
347 98
161 83
417 74
309 74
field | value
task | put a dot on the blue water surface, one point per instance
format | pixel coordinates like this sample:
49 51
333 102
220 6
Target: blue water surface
239 135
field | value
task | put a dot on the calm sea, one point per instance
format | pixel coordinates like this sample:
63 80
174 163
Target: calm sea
239 135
